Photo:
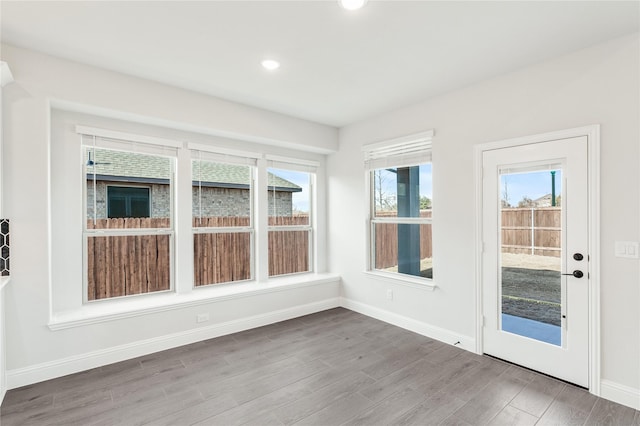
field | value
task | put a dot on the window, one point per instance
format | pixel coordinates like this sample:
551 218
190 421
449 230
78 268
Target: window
222 218
290 187
128 231
163 216
401 200
127 201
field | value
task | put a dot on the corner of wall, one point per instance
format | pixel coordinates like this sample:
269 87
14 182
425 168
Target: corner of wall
427 330
621 394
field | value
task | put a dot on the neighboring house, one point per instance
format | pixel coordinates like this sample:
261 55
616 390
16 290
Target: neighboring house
137 185
545 201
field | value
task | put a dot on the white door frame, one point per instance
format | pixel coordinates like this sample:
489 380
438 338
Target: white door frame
593 151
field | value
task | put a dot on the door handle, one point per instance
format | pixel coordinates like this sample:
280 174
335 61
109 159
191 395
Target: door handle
576 273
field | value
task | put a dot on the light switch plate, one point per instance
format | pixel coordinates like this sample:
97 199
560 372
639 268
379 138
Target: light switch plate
627 249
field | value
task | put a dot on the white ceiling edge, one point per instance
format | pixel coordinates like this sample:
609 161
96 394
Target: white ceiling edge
79 108
390 53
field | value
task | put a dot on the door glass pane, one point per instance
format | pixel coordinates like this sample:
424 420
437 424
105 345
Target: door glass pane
531 252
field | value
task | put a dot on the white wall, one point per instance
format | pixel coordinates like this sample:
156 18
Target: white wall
599 85
32 187
5 78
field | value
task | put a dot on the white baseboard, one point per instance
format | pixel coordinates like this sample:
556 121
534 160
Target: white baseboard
441 334
58 368
621 394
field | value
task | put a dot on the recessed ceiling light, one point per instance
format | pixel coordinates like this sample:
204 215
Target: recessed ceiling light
352 4
270 64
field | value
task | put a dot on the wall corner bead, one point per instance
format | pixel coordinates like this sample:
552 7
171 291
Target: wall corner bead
5 74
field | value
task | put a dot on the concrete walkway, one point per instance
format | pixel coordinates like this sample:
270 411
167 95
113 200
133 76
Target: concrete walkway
532 329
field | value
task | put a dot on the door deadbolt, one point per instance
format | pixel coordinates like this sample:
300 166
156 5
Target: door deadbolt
578 256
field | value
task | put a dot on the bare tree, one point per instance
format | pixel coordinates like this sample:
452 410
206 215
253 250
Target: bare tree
383 200
505 194
526 202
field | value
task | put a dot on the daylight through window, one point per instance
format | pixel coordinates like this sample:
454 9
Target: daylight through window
222 200
128 229
146 197
401 200
290 223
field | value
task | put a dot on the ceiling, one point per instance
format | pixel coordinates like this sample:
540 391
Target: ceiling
338 66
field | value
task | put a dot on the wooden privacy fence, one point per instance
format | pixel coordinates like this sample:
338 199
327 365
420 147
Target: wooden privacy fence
137 264
524 230
125 265
532 231
386 237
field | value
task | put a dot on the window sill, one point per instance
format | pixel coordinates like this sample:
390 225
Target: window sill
137 306
4 281
418 283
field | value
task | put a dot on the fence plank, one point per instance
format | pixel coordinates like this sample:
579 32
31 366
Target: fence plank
539 230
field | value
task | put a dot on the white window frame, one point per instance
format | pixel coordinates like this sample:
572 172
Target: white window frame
206 153
181 247
68 308
296 165
411 150
117 141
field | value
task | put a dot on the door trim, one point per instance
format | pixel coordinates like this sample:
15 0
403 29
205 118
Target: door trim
593 152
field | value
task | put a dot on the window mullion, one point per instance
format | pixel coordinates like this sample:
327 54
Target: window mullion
183 223
262 221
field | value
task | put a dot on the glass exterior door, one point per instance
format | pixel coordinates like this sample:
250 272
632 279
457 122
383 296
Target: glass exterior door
535 265
531 252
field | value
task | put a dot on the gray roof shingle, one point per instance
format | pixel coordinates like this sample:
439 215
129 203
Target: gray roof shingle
142 166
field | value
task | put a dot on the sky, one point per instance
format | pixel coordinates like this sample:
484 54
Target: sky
518 185
532 185
301 200
389 184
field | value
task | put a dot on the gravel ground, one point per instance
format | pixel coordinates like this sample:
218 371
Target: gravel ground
532 294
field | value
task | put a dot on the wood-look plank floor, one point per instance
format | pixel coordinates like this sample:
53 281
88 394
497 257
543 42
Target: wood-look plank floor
331 368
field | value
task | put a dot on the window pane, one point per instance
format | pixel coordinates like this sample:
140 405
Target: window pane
288 252
126 265
127 185
402 191
289 197
403 248
221 194
221 257
124 201
531 253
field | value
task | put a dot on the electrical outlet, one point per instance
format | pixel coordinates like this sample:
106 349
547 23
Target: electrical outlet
202 318
390 294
